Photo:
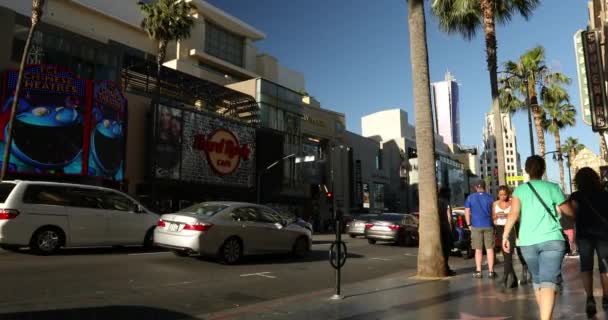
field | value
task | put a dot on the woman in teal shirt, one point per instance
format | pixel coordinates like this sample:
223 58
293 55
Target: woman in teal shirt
540 233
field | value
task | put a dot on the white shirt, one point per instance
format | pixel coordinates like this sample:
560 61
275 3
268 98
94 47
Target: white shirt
500 211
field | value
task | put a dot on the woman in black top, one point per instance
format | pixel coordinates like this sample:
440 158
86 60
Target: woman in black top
591 207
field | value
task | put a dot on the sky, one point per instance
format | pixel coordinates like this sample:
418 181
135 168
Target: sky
355 57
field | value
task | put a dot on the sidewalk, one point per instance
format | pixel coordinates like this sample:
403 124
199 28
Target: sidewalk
402 296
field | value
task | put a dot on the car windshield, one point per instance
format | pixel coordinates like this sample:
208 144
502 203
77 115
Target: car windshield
204 209
390 217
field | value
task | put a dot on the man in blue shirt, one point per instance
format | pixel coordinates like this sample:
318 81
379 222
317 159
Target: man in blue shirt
478 214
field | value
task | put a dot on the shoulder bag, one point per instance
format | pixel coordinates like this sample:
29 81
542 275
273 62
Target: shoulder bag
551 215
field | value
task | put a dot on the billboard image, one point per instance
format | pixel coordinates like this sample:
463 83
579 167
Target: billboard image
49 125
107 135
63 124
197 147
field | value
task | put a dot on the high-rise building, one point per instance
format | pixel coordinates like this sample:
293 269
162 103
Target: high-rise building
446 109
488 161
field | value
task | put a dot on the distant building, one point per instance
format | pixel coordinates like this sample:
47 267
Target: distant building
446 109
587 158
488 161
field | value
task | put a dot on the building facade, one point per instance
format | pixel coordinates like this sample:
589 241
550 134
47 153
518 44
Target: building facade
488 161
446 108
587 158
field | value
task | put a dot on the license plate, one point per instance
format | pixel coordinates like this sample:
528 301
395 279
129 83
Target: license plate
173 227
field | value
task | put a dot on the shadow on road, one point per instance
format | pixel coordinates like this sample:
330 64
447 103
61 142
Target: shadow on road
96 251
106 312
313 256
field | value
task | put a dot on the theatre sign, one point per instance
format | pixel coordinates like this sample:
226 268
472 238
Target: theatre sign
595 80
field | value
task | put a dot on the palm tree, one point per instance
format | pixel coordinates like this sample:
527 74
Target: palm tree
560 113
430 258
36 16
466 17
165 21
532 66
572 147
509 101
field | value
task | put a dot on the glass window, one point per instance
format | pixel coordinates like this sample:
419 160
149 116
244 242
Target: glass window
48 195
86 198
5 190
204 209
118 202
245 214
224 44
268 216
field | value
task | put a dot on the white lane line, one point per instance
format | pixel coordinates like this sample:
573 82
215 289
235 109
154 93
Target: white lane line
381 259
145 253
410 254
259 274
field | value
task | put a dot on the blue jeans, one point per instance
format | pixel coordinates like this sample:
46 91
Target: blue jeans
545 262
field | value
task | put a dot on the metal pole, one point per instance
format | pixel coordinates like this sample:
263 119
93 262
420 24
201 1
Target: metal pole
338 295
569 173
529 117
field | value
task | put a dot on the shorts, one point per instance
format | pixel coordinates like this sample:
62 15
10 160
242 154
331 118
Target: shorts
481 237
587 248
545 262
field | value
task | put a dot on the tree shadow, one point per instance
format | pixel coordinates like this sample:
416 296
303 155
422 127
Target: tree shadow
118 250
105 312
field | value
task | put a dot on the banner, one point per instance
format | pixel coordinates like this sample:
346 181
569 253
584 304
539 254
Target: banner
581 71
595 80
64 125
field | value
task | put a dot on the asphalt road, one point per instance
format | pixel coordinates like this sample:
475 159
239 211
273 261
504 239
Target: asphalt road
132 283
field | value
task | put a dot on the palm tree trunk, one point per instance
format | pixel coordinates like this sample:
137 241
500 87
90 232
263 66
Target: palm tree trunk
36 16
160 59
540 132
487 9
430 258
603 148
558 145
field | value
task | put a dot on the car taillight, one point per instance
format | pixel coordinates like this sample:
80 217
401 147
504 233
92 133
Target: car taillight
161 223
8 214
369 225
198 227
394 227
460 222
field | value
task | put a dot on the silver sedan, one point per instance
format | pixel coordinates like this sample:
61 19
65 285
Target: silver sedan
230 230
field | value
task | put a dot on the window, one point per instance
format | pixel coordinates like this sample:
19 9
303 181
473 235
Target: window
86 198
245 214
205 209
5 190
45 194
379 160
268 216
117 202
224 44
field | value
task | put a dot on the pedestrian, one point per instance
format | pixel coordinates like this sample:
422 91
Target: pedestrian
567 224
590 204
541 239
500 212
478 214
445 223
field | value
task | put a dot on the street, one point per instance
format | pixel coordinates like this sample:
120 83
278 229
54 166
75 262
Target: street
130 281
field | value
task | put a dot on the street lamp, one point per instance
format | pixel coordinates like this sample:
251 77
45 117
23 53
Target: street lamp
261 173
508 88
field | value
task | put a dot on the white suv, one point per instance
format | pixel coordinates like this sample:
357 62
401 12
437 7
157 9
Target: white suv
47 215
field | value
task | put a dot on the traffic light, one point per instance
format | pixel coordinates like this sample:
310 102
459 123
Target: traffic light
329 196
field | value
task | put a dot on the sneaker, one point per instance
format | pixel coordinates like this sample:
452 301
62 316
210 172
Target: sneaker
492 275
590 306
477 275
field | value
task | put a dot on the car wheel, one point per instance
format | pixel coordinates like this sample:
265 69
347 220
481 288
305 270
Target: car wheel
371 241
407 240
181 253
300 247
231 251
149 239
353 235
46 241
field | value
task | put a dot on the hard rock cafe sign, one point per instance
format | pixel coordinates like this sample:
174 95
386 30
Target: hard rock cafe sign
224 152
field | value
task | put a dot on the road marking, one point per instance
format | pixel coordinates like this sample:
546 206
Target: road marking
381 259
410 254
145 253
259 274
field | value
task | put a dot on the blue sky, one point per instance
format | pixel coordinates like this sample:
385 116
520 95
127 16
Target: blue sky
355 56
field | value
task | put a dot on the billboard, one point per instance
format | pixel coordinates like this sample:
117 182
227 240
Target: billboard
198 147
581 71
60 128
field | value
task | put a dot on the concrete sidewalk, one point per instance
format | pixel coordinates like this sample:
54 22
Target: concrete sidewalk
402 296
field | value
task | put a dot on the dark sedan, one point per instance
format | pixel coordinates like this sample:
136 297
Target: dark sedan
397 228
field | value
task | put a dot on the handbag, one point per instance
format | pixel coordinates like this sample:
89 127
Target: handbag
568 249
